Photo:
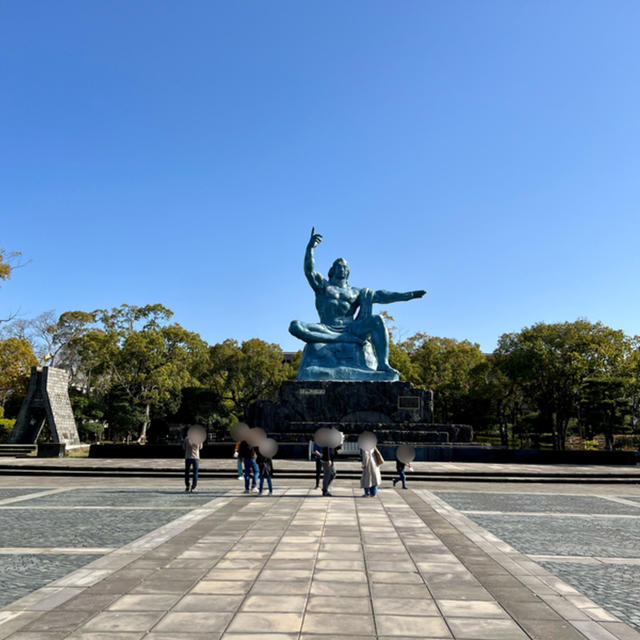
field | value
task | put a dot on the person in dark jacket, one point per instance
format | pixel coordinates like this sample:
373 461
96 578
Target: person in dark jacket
402 475
317 456
251 471
328 467
265 466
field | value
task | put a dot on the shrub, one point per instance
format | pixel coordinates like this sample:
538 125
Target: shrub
6 427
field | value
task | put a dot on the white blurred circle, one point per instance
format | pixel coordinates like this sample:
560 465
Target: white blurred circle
406 453
256 436
321 436
334 438
367 441
197 434
268 447
239 431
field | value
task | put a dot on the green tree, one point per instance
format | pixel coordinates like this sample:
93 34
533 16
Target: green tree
16 360
89 413
550 363
604 405
444 365
243 374
143 364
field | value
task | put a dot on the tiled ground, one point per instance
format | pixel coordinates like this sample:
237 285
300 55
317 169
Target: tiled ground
122 497
221 565
614 586
23 573
38 534
536 503
578 538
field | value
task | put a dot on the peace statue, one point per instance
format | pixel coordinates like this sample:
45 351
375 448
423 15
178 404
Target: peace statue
339 347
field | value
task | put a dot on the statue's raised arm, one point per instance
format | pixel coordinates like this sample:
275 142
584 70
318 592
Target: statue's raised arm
315 279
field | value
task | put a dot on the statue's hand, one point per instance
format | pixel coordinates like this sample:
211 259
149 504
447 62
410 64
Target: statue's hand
315 239
417 294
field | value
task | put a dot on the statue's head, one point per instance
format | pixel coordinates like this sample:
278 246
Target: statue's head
339 270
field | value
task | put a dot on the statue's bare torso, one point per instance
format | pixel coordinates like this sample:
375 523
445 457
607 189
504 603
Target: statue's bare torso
337 305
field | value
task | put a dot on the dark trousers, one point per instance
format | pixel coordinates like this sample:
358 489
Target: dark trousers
328 474
318 471
402 477
268 477
188 463
251 473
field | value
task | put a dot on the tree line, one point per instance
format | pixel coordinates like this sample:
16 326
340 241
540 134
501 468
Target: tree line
132 370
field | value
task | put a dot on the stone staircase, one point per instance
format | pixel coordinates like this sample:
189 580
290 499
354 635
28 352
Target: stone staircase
17 450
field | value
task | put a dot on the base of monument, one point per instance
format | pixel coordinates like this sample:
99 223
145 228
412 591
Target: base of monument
346 374
394 404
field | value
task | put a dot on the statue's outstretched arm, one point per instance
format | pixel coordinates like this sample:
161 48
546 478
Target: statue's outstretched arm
315 279
385 297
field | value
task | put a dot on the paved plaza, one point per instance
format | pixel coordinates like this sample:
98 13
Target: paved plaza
132 558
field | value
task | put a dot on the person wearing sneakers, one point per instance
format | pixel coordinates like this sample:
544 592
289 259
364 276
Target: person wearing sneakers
191 446
251 471
402 475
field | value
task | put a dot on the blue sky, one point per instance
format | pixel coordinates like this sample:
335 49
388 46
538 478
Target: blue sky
180 152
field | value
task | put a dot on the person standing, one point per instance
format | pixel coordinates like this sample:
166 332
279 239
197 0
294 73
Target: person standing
251 471
328 468
265 465
191 448
317 455
371 478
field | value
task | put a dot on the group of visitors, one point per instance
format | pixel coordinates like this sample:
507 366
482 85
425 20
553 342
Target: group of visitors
256 467
371 460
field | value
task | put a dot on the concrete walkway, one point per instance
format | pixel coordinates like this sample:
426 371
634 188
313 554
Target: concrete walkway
297 566
629 473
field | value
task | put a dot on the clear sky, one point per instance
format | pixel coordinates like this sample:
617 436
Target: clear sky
180 152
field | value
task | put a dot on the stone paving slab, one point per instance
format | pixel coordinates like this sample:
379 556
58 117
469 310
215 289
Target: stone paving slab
64 528
581 535
18 570
127 498
12 492
527 502
296 565
583 614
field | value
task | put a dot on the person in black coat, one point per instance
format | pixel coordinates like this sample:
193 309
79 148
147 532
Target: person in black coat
329 455
265 465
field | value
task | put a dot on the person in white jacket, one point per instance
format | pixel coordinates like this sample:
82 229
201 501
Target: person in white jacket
371 479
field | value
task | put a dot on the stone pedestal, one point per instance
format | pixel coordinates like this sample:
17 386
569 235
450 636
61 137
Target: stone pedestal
47 400
397 412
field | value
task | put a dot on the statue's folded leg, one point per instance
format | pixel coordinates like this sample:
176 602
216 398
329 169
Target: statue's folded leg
315 332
